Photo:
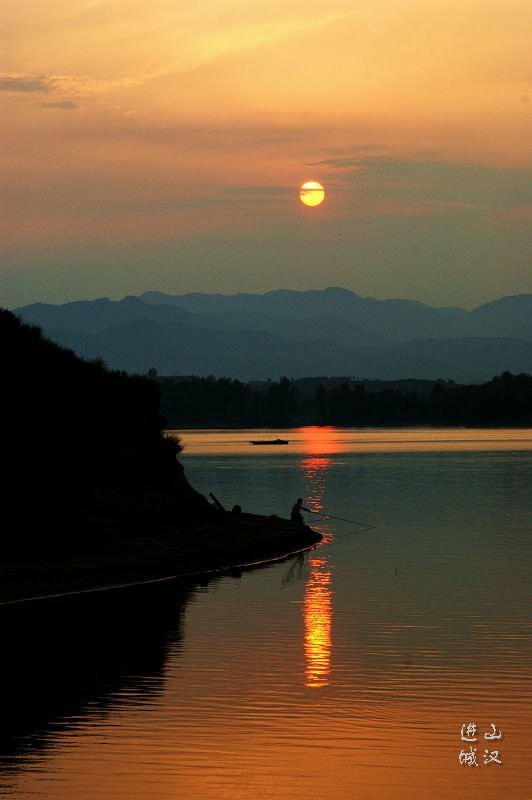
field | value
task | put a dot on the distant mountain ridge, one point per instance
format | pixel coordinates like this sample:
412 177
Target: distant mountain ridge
294 333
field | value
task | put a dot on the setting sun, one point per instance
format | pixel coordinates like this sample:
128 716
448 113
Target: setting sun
312 193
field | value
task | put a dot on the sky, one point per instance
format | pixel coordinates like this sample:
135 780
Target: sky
162 146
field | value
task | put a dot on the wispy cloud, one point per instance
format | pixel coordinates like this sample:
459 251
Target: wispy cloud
27 84
352 162
257 190
437 185
78 86
66 105
226 196
350 158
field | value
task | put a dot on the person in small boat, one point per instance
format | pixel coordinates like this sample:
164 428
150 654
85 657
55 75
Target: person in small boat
297 508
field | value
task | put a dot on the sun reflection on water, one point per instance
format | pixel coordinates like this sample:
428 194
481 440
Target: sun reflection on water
320 440
314 469
317 606
318 624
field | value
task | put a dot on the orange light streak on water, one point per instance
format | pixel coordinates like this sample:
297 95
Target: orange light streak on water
318 623
317 605
314 469
314 440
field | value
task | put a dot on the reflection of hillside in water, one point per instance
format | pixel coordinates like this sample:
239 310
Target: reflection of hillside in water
70 657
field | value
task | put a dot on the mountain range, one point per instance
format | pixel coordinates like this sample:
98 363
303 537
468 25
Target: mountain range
329 332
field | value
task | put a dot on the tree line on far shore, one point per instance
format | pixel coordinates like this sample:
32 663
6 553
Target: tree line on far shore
506 400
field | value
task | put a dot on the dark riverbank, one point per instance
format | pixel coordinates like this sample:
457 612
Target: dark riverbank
93 492
225 544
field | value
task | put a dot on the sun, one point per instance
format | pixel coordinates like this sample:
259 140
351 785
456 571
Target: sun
312 193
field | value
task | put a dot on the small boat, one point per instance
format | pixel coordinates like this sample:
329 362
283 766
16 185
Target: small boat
268 441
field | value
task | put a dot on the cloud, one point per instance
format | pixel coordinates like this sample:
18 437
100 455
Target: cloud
254 191
347 158
225 196
435 184
25 84
339 163
67 105
76 86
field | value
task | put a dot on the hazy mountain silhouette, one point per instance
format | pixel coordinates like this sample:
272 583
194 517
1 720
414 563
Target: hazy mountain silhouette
328 332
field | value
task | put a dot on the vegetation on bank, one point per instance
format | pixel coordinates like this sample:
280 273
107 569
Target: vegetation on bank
82 448
506 400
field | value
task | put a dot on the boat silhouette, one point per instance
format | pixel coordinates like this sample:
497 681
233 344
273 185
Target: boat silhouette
268 441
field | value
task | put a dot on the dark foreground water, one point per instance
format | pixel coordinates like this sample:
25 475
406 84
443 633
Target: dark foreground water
391 661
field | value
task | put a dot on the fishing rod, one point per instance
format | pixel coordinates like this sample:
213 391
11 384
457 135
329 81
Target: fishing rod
342 519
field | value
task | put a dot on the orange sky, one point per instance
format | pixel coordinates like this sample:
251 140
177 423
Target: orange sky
162 146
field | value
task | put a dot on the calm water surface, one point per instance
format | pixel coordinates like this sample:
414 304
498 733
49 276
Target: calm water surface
351 671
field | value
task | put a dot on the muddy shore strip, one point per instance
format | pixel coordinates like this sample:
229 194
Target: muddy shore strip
198 549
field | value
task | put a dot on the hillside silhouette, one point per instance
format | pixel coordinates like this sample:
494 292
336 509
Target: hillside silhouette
94 494
83 448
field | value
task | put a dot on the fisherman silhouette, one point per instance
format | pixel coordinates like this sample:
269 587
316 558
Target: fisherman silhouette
297 508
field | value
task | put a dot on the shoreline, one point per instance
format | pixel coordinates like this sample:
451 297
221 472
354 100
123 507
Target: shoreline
201 551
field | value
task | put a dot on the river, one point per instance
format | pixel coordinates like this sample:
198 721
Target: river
392 660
